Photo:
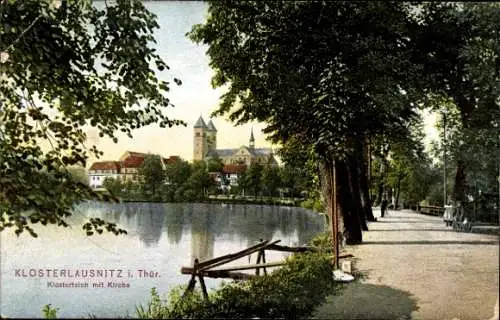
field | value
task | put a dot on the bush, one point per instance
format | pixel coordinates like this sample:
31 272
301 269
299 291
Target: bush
322 240
49 312
292 291
314 204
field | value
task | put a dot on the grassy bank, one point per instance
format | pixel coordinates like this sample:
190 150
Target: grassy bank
292 291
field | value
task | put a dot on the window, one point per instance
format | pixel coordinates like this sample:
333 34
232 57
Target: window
197 134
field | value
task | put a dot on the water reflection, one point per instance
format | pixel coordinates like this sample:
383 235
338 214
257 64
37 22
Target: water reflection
202 233
207 222
161 238
175 222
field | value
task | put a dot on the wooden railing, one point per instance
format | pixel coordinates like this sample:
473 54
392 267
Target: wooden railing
202 269
431 210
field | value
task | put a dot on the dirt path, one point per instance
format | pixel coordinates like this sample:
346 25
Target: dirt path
414 267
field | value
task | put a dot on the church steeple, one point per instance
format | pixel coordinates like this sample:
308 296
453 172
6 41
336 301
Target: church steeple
252 140
200 145
200 123
211 136
211 126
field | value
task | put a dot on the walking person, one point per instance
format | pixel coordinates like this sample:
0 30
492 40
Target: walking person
383 207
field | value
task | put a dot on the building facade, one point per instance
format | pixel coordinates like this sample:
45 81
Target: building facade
126 168
102 170
205 147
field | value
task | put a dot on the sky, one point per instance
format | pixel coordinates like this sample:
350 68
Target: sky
195 97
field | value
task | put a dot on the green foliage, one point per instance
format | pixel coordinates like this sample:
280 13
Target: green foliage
271 180
345 74
152 177
411 173
79 174
64 68
295 180
292 291
322 240
198 183
330 63
458 49
115 186
215 164
314 203
154 307
49 312
253 178
176 174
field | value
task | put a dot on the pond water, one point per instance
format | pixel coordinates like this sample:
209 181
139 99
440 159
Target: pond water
161 239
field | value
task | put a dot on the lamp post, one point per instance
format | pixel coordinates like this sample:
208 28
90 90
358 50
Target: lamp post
444 156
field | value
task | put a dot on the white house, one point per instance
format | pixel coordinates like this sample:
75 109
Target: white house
102 170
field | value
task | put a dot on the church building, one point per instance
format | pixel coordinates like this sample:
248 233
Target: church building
205 147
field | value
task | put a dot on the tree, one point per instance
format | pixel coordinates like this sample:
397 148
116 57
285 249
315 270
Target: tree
115 186
243 183
63 68
457 48
332 65
79 174
271 180
300 173
152 177
254 178
196 187
215 164
408 165
176 174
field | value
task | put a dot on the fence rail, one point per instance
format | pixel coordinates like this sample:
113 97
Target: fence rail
209 269
431 210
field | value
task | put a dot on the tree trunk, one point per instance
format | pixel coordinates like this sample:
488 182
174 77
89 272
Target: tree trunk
349 224
459 186
354 189
364 190
368 170
352 223
326 176
380 190
466 107
398 190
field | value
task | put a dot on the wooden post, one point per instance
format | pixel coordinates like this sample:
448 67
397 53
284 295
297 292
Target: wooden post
264 259
334 215
203 287
259 256
192 281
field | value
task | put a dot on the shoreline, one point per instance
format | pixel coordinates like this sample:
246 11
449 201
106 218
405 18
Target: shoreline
286 203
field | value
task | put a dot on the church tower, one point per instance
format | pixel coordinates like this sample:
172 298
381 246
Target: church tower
252 140
211 136
200 147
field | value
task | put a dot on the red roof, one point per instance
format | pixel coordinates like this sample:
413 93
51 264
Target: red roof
133 162
136 154
105 165
171 159
234 168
